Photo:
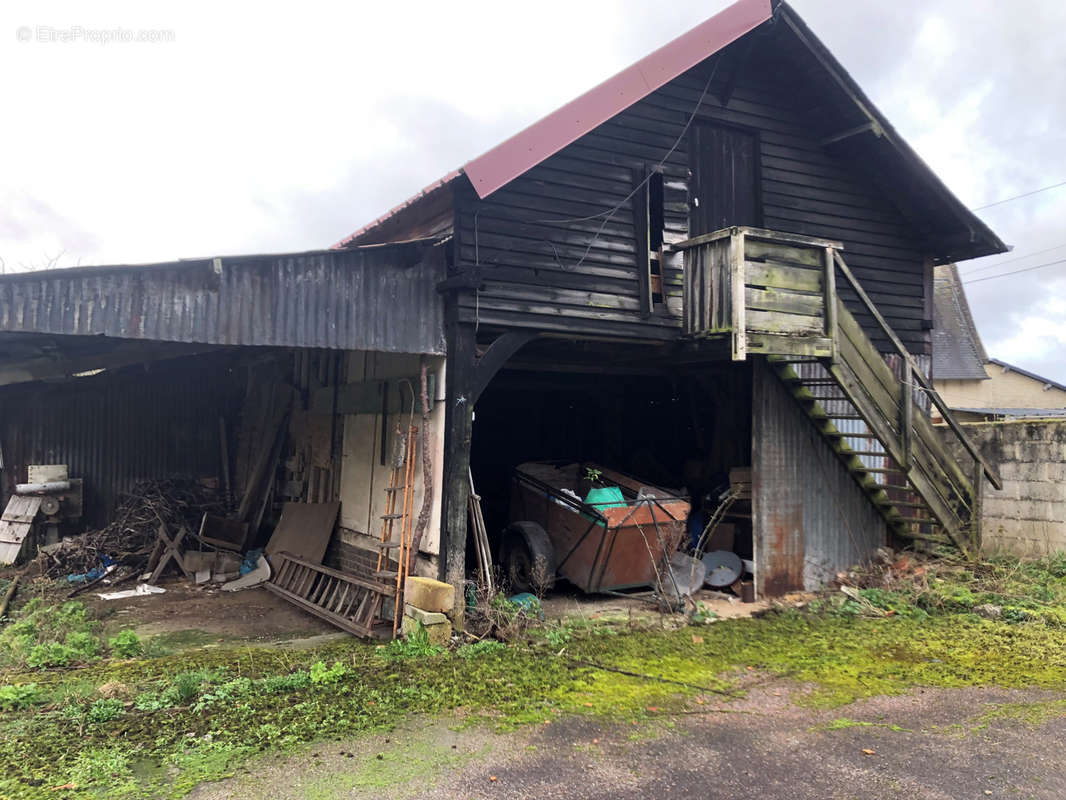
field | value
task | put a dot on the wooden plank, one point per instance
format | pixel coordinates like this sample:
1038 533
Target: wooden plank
772 344
779 323
304 530
699 241
873 366
830 298
736 286
788 239
778 275
885 399
807 256
783 301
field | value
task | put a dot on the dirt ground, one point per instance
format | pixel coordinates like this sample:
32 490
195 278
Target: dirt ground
253 615
934 745
571 604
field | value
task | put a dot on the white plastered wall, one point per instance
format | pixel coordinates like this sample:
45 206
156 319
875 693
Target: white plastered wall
363 477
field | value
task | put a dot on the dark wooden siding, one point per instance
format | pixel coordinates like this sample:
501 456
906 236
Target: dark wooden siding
562 276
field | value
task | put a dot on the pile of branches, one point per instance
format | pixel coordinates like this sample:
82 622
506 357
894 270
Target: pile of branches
128 540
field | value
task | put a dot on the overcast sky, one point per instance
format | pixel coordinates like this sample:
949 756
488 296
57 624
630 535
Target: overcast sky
286 127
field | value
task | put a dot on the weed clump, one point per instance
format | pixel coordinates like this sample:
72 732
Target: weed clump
20 696
44 636
126 644
416 645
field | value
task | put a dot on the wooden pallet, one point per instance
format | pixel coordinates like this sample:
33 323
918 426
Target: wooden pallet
351 602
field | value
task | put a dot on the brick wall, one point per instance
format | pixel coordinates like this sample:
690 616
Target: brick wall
350 551
1029 515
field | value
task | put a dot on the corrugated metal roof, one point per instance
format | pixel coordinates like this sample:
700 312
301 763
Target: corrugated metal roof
957 350
373 298
1016 412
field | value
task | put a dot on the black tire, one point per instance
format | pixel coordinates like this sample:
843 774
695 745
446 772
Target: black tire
528 558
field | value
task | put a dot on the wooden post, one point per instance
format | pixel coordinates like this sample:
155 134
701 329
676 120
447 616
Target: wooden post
458 427
830 289
736 284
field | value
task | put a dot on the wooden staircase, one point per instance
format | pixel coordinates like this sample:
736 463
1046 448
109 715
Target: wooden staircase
776 295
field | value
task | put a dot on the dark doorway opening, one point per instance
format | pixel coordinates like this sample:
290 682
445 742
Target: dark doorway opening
682 429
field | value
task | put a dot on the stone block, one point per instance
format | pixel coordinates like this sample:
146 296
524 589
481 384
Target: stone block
427 618
439 634
429 594
1043 490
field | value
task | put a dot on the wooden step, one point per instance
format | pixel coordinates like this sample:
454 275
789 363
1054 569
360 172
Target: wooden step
387 545
392 516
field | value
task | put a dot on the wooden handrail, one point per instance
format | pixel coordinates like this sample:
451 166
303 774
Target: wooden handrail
913 371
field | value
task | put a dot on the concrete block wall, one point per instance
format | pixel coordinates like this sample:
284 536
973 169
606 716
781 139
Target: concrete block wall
1028 516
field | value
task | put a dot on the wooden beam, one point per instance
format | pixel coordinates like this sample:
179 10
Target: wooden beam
642 239
486 367
736 287
458 427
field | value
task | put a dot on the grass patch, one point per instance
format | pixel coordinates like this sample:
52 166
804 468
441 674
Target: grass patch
198 715
1031 715
844 723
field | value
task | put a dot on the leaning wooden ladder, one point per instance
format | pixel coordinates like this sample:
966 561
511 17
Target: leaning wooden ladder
402 469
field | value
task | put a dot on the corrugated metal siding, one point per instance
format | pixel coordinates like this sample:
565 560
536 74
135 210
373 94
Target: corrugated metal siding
371 299
114 431
810 518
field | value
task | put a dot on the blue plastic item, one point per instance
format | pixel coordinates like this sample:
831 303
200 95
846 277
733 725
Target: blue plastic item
528 603
251 561
607 497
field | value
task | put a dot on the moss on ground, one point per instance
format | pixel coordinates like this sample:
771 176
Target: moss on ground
155 727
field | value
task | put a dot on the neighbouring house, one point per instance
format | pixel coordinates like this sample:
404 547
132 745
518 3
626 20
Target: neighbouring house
1016 418
973 385
714 269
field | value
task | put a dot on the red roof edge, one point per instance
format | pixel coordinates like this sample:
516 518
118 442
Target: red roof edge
523 151
505 162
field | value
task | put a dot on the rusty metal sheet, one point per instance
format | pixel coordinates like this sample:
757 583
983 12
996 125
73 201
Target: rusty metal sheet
810 517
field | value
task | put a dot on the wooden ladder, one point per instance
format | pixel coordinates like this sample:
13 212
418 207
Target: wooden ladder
403 469
348 601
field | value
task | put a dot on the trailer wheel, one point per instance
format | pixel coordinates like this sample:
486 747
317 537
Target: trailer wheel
528 558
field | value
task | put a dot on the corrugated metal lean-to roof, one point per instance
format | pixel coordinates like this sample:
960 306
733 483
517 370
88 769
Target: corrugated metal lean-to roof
380 298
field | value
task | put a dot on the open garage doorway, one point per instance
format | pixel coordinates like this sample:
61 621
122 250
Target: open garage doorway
557 414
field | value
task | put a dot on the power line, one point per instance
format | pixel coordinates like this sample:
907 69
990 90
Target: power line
1012 260
1020 196
1016 271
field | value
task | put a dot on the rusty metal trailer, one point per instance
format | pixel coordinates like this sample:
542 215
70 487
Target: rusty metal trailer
598 548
